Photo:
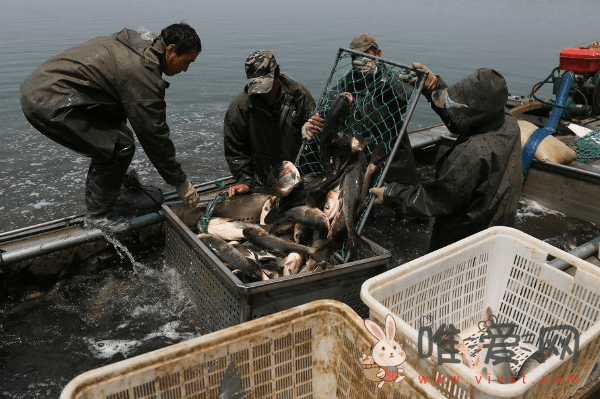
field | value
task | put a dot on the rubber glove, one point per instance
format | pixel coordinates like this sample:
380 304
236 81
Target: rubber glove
430 79
378 192
188 194
365 65
237 189
312 127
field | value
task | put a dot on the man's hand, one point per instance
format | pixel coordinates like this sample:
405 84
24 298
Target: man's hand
237 189
188 194
309 129
378 192
430 79
365 65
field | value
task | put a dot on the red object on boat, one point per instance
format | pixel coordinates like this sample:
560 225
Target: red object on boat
582 60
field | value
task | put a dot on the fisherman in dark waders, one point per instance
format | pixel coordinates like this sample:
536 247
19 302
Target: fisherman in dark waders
83 97
265 123
479 179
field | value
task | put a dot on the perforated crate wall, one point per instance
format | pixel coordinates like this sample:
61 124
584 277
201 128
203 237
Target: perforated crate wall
506 270
310 351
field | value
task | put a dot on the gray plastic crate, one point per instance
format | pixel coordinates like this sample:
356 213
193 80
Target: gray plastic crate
228 301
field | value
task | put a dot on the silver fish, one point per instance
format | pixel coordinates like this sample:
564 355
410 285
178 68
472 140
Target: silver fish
293 262
312 217
260 237
332 202
377 158
499 372
226 228
334 120
287 179
231 257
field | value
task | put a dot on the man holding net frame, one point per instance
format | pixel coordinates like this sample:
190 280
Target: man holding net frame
384 96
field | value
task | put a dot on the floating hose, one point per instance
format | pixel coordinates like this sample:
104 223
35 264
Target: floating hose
540 134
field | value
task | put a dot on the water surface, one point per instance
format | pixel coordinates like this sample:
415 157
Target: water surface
50 333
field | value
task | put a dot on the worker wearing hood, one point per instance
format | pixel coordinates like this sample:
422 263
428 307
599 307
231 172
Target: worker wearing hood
83 98
478 180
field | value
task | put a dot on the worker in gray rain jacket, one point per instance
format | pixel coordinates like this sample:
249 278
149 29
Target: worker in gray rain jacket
83 97
479 179
265 123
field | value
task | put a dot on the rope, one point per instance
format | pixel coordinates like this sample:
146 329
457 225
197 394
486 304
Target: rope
211 206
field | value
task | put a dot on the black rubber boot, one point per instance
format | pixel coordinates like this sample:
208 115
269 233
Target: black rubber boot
137 199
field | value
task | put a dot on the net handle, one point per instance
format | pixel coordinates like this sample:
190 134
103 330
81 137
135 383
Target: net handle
413 103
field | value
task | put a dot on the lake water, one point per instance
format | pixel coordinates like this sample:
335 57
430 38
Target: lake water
113 314
40 180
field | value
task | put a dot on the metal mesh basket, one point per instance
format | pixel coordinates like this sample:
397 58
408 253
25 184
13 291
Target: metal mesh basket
227 301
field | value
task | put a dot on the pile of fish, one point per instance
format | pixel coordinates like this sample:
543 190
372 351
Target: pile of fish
306 219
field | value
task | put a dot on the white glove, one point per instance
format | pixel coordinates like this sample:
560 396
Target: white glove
188 194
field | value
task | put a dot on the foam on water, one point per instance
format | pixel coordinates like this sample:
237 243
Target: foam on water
108 348
529 208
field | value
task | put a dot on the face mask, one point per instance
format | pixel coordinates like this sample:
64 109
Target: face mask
456 111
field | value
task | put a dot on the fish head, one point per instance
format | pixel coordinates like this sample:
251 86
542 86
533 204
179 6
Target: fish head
288 178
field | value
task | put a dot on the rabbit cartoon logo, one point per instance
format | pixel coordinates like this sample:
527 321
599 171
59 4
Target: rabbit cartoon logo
382 365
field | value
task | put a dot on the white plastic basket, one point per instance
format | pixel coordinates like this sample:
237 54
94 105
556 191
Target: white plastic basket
310 351
506 270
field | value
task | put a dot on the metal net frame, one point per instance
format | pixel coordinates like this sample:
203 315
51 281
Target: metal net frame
385 98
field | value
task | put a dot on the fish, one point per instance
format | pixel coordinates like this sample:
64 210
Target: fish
499 372
268 205
262 238
338 227
232 257
254 253
301 233
334 120
377 158
344 145
528 365
317 188
286 180
314 265
231 385
309 216
351 185
332 202
292 263
226 228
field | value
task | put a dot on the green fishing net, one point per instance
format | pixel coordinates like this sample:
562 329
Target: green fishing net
588 147
385 93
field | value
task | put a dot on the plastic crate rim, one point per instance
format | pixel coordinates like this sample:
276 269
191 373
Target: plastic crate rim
410 267
198 344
